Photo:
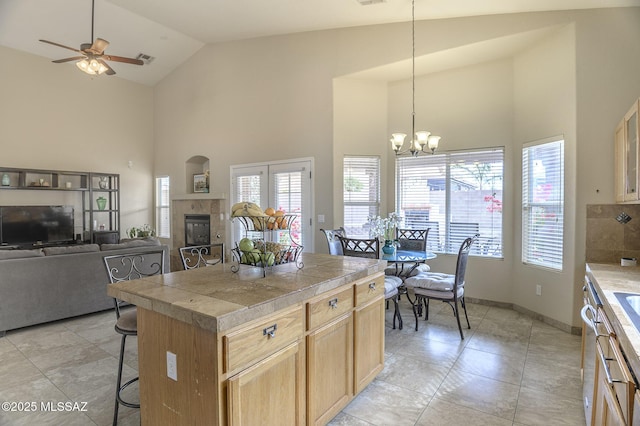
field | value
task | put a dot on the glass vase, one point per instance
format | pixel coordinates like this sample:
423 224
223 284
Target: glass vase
101 202
389 247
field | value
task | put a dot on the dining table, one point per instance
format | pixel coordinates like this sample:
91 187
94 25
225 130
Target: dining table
407 259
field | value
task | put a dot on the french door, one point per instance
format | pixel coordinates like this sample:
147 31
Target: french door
285 186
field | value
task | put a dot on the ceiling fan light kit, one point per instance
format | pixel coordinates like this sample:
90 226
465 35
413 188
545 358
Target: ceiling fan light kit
92 59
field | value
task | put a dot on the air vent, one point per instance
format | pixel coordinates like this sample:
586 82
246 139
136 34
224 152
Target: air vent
147 59
369 2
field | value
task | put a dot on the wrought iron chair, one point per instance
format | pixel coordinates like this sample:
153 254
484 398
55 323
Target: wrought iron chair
196 256
370 248
445 287
126 267
335 247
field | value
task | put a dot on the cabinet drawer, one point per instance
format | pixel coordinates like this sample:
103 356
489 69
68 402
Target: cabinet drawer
251 344
369 288
617 374
322 310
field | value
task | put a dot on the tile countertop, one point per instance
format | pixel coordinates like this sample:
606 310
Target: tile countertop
217 299
610 278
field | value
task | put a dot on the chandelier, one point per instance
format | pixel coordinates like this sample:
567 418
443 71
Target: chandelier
422 141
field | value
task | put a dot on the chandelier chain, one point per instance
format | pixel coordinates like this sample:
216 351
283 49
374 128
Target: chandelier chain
413 70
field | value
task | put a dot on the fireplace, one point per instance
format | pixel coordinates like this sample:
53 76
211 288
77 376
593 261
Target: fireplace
197 229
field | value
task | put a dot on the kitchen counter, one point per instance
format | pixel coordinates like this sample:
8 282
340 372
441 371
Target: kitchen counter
610 278
216 299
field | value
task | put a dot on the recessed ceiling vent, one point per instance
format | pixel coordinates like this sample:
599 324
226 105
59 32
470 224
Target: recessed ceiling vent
147 59
369 2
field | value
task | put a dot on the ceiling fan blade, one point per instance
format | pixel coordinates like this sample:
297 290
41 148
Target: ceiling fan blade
109 70
75 58
122 59
61 45
98 46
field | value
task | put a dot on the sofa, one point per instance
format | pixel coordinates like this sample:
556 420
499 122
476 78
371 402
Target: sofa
53 283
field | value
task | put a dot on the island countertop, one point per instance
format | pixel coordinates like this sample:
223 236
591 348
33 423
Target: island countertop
217 299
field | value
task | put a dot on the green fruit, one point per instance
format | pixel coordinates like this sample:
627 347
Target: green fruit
245 244
268 259
254 256
243 259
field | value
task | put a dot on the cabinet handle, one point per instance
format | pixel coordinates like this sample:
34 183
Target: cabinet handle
333 303
372 286
270 331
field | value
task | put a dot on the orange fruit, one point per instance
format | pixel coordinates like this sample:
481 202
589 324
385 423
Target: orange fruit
269 211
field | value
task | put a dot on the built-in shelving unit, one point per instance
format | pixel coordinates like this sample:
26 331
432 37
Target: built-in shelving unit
100 219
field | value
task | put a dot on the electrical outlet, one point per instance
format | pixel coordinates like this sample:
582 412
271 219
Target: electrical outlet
172 366
538 289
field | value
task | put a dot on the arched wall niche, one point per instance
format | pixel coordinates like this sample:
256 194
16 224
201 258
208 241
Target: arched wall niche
196 165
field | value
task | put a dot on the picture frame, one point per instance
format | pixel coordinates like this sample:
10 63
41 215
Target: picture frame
200 183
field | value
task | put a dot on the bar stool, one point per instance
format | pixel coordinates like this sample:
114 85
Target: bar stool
126 267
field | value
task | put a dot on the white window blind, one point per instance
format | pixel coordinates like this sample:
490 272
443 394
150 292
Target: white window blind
163 211
361 189
456 195
288 198
543 204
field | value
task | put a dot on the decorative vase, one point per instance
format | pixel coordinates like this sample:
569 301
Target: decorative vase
389 247
6 181
101 202
103 183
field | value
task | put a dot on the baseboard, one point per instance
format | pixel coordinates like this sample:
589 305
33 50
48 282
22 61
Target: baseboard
550 321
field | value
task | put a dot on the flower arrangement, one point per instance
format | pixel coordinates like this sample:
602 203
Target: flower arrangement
142 232
384 228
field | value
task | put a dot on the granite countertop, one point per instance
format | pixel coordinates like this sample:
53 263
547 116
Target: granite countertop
217 299
610 278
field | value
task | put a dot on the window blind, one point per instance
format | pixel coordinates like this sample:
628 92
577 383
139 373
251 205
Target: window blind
361 193
163 211
456 195
543 204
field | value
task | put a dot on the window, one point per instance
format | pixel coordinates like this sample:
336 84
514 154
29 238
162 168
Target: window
284 186
456 195
543 203
163 221
361 198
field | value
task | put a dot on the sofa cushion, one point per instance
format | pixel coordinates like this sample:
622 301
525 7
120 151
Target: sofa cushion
129 243
79 248
17 254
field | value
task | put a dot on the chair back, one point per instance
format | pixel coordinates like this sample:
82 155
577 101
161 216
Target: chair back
356 247
461 264
335 247
131 266
412 239
196 256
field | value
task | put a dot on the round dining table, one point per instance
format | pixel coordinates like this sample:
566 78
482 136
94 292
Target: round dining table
407 258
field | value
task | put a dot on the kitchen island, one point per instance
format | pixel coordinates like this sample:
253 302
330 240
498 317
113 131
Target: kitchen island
291 348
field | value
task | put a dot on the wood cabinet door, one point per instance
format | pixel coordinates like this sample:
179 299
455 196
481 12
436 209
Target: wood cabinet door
368 350
269 392
329 369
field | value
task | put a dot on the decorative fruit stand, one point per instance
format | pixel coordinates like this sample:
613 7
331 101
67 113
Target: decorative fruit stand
258 248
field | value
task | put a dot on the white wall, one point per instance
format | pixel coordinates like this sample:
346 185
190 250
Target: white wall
52 116
545 106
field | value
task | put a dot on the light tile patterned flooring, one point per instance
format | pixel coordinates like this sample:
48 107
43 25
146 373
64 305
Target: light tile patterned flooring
509 370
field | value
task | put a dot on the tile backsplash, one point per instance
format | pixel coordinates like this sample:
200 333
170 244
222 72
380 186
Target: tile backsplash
607 239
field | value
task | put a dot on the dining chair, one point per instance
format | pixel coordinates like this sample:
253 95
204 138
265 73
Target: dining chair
444 287
335 248
126 267
412 240
196 256
370 248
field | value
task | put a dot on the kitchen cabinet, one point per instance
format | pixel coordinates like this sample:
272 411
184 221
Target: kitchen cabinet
299 365
626 144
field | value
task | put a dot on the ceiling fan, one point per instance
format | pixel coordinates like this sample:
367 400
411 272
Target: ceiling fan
92 57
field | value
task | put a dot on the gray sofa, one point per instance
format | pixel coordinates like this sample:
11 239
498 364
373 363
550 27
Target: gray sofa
38 286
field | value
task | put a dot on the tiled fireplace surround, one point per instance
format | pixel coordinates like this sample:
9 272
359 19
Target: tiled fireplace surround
179 208
608 240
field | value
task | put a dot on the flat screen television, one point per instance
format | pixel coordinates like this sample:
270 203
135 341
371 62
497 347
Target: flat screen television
36 225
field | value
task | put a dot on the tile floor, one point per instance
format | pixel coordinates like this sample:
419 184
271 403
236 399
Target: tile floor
509 370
